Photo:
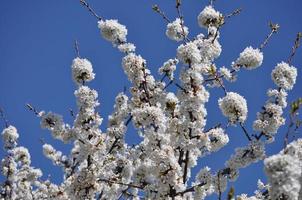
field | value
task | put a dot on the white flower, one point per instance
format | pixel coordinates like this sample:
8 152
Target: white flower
10 137
175 31
210 17
51 121
234 107
148 116
244 156
21 154
171 101
226 73
86 97
204 176
245 197
284 76
283 173
188 53
133 66
113 31
218 138
126 47
168 68
209 49
82 70
269 120
55 156
278 97
250 58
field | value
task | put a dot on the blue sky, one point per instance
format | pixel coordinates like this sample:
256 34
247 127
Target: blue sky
36 50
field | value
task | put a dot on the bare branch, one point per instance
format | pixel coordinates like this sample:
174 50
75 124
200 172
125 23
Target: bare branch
33 109
160 12
76 47
245 131
4 118
295 47
85 4
274 29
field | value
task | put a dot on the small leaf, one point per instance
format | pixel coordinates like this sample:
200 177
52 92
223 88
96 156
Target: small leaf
231 194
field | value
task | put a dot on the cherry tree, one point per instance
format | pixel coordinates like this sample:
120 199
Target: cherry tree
101 165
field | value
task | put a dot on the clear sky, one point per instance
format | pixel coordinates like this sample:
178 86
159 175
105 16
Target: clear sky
36 50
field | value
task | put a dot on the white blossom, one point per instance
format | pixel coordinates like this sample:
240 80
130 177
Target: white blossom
175 31
126 47
250 58
171 126
209 48
188 53
210 17
21 154
269 120
168 68
284 76
218 138
133 66
82 70
226 73
283 172
113 31
278 97
234 107
51 121
244 156
10 137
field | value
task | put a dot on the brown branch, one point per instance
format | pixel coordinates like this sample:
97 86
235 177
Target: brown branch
113 145
161 13
85 4
295 47
120 183
33 109
170 82
219 187
191 189
186 167
245 131
181 17
274 29
234 13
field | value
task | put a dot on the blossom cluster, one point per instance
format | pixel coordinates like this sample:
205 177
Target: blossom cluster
171 126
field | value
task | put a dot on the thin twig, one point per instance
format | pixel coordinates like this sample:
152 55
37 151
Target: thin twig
274 29
85 4
222 86
120 183
4 118
223 21
168 85
212 2
219 187
245 131
234 13
181 17
76 47
161 13
33 109
183 89
71 113
295 47
184 178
